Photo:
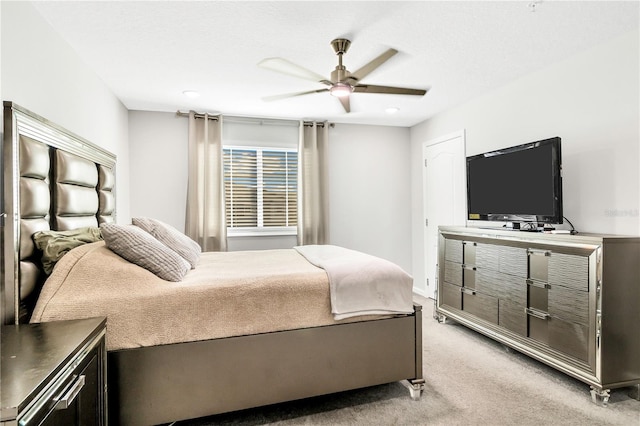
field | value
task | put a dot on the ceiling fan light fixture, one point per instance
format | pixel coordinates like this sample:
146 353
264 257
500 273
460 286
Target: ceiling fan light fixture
342 82
341 90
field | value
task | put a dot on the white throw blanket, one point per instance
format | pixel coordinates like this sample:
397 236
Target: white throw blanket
361 284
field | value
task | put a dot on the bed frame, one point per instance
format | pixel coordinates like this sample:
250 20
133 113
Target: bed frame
56 180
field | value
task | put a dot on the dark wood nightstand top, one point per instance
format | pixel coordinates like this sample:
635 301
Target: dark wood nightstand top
34 354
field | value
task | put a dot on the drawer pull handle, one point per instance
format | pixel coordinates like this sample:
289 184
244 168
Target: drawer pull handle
468 291
473 268
535 283
537 314
538 252
63 402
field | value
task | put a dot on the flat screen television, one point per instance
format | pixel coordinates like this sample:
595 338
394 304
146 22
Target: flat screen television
519 184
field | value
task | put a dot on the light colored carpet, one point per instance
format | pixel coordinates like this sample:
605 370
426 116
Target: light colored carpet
470 380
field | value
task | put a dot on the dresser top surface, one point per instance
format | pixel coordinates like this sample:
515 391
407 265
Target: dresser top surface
517 235
33 354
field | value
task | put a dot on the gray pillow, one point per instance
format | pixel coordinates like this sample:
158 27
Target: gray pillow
172 238
139 247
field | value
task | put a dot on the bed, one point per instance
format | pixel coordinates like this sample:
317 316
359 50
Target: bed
189 366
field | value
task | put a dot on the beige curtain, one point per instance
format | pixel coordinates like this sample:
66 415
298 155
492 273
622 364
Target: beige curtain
205 221
313 197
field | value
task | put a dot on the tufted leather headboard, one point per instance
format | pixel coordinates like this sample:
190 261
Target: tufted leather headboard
52 180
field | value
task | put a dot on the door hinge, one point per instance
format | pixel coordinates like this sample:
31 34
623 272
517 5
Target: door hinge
426 222
425 162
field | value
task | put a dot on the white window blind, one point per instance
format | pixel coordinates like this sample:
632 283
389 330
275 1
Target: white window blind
261 188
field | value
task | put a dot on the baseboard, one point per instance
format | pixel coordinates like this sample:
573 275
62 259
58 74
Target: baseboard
420 292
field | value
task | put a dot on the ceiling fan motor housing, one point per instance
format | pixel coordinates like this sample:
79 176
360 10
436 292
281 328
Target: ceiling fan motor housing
340 74
340 45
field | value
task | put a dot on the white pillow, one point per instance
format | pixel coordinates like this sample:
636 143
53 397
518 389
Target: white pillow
139 247
172 238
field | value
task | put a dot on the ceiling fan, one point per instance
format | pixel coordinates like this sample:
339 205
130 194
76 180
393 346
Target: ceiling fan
342 82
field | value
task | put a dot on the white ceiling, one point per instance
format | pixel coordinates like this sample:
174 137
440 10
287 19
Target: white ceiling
149 52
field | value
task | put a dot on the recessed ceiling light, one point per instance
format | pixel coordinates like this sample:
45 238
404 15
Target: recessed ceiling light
534 5
392 110
191 93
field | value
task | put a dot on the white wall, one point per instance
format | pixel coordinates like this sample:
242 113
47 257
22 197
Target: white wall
370 191
592 101
369 184
158 150
42 73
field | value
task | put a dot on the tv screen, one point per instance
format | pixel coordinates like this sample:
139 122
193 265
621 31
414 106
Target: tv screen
522 183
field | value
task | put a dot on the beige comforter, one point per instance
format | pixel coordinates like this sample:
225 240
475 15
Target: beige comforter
228 294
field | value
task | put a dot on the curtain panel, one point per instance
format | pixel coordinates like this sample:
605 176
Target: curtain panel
313 192
205 217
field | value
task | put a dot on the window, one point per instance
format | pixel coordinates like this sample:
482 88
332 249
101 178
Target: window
261 189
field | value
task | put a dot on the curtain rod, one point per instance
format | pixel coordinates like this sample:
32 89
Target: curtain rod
215 118
318 124
197 115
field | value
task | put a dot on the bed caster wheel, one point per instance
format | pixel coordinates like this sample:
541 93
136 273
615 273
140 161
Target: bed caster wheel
600 396
415 394
415 388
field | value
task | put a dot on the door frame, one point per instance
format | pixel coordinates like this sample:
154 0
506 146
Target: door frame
462 219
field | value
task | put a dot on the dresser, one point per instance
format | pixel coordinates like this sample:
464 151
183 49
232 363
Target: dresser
54 373
570 301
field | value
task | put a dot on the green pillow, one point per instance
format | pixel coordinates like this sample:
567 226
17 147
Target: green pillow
55 244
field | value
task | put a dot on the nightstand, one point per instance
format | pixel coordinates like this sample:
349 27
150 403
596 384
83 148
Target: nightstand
54 373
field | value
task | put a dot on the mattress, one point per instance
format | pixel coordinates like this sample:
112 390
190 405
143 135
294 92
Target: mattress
227 294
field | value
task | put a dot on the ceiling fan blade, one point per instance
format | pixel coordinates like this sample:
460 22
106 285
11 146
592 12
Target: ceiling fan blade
287 67
345 103
365 70
291 95
368 88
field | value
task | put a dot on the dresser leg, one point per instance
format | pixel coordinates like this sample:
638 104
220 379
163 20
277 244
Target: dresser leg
441 318
635 392
600 396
